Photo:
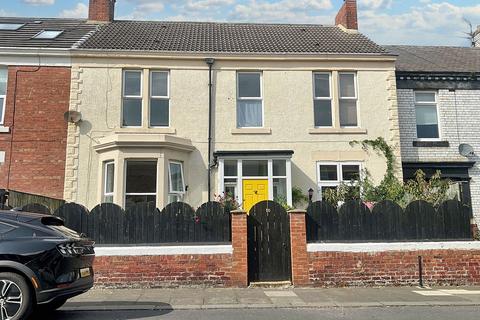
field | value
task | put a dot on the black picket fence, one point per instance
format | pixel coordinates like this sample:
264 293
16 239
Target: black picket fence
144 224
387 221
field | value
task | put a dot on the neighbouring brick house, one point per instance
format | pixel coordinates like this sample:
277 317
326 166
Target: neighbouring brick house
286 101
35 82
439 110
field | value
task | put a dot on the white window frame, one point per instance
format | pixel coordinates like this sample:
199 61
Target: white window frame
250 98
423 104
140 194
167 97
334 183
60 32
4 96
170 186
340 98
105 176
140 97
330 98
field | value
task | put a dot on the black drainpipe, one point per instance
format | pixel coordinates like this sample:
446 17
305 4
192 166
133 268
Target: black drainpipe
210 62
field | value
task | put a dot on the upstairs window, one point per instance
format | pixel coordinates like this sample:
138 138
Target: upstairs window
322 100
348 99
132 98
249 100
48 34
10 26
159 99
3 92
426 112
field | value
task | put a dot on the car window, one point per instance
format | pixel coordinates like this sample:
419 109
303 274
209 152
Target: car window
4 228
24 232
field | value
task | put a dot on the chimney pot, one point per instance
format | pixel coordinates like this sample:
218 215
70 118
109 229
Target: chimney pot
347 15
101 10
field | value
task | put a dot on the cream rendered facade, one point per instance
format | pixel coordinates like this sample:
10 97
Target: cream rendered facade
287 84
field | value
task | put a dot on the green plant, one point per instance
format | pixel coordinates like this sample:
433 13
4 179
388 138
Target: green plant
434 190
283 202
298 197
228 201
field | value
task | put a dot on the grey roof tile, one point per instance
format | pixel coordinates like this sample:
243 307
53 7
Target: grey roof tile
436 59
196 37
74 31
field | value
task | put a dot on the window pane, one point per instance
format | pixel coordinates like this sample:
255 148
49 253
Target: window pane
350 172
159 113
3 81
230 168
48 34
249 113
230 190
159 84
132 112
328 173
141 177
279 167
323 113
133 83
176 177
109 177
427 122
255 168
131 200
10 26
108 199
174 198
249 85
348 113
280 189
1 109
425 97
347 85
322 85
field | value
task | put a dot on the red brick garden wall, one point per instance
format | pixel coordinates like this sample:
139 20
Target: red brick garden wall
393 268
38 134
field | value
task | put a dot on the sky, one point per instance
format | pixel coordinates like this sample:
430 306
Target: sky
419 22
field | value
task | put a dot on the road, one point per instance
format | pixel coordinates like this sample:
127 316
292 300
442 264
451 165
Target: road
390 313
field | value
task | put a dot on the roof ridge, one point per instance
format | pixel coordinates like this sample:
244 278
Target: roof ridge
228 23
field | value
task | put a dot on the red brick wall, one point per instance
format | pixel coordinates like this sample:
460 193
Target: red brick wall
38 135
101 10
347 15
240 249
440 267
298 244
164 271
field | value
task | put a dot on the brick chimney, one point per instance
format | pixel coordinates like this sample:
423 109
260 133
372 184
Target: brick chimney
347 16
101 10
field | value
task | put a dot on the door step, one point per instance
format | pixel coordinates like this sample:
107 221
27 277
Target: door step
271 284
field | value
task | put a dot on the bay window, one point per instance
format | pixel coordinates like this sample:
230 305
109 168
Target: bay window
426 113
348 99
249 100
3 92
132 98
322 100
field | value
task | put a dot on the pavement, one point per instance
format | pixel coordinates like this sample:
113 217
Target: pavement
273 298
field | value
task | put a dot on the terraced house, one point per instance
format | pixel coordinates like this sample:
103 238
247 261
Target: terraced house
184 110
35 81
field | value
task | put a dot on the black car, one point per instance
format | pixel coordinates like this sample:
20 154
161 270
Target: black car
42 264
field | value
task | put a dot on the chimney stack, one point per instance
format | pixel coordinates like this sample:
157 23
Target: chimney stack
476 39
347 16
101 10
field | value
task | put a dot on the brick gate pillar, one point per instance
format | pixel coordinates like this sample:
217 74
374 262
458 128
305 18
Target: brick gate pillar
298 245
239 243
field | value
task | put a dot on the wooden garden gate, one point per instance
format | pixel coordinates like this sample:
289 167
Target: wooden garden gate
268 243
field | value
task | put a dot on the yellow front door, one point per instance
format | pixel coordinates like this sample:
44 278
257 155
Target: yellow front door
254 191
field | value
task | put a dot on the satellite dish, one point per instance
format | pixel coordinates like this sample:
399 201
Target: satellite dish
466 150
72 116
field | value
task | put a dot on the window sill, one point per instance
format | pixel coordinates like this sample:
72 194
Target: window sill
4 129
431 144
337 131
251 131
147 130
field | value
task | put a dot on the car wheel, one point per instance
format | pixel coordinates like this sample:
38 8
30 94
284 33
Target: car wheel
52 306
15 297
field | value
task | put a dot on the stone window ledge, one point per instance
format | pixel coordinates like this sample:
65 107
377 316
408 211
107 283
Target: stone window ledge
337 131
251 131
431 144
158 130
4 129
